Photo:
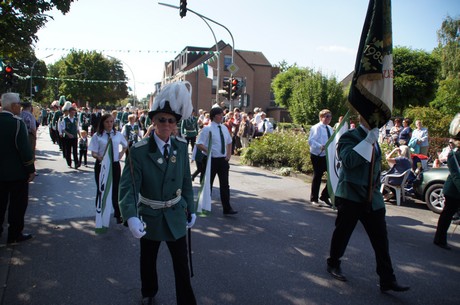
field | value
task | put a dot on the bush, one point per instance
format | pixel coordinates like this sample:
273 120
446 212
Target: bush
280 149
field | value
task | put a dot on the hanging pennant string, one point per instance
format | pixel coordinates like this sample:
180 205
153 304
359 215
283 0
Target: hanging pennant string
196 68
128 51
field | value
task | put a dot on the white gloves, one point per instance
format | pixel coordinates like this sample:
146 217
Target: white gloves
365 147
372 136
136 226
192 221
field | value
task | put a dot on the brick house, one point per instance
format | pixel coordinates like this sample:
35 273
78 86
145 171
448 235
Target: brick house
254 70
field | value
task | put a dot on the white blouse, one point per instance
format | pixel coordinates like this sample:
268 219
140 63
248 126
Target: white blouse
99 143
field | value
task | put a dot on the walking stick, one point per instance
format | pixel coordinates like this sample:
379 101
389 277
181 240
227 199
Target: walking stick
190 251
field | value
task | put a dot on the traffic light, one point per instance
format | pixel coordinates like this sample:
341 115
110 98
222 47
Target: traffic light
235 88
226 87
183 8
9 76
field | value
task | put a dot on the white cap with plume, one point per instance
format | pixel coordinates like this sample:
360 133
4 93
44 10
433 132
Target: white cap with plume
174 98
67 106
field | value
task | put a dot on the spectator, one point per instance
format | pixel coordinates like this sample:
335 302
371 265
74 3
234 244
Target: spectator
394 132
398 165
406 132
419 139
245 131
16 168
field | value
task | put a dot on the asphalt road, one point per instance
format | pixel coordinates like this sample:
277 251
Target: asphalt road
272 252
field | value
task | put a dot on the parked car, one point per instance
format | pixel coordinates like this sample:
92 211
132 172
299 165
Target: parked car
429 188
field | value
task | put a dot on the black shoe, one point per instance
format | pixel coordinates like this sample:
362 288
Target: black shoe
230 212
336 272
442 245
119 220
21 237
147 301
393 286
326 200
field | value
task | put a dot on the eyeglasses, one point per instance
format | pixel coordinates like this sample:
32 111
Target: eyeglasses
451 142
327 116
164 120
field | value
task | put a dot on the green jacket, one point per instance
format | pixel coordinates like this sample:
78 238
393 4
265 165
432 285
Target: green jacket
354 175
452 185
156 179
189 127
16 157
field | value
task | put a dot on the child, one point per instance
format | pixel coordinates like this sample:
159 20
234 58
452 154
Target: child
83 146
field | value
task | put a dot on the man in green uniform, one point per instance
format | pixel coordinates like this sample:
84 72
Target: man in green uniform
358 197
158 171
16 168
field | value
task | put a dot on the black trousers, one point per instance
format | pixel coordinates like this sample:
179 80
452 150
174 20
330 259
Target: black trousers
116 172
149 277
71 150
14 197
319 168
84 156
349 212
220 167
191 140
450 208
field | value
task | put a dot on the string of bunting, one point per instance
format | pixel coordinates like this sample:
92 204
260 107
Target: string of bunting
198 67
73 79
129 51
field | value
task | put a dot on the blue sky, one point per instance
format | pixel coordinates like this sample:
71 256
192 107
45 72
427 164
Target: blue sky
320 34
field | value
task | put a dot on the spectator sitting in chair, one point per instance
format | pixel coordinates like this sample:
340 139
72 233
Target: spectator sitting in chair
398 165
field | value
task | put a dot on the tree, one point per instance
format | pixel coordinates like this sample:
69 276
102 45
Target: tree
20 22
305 92
88 77
448 52
415 74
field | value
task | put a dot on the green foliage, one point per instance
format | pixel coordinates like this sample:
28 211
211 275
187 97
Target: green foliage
22 20
447 99
414 78
305 93
436 122
280 149
448 47
80 66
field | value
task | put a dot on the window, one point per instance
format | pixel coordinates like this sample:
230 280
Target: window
227 62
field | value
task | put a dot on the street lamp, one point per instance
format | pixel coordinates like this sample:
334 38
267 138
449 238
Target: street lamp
31 73
134 80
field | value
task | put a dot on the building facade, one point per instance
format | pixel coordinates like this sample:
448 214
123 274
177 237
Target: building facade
194 64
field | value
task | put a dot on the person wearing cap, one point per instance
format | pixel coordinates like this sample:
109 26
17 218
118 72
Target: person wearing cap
70 134
156 189
221 152
16 168
31 124
451 189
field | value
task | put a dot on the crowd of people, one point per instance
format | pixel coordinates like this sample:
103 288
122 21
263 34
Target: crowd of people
157 178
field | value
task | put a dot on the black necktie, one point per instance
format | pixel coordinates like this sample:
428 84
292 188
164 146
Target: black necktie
328 132
222 140
165 152
263 126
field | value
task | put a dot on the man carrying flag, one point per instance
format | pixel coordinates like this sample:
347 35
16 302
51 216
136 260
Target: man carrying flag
357 195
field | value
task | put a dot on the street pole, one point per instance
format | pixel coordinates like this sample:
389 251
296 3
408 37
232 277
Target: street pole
31 73
233 44
134 80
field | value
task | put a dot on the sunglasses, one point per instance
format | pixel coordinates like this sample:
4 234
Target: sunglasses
164 120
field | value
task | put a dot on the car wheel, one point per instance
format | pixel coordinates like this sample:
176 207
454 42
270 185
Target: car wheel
434 198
